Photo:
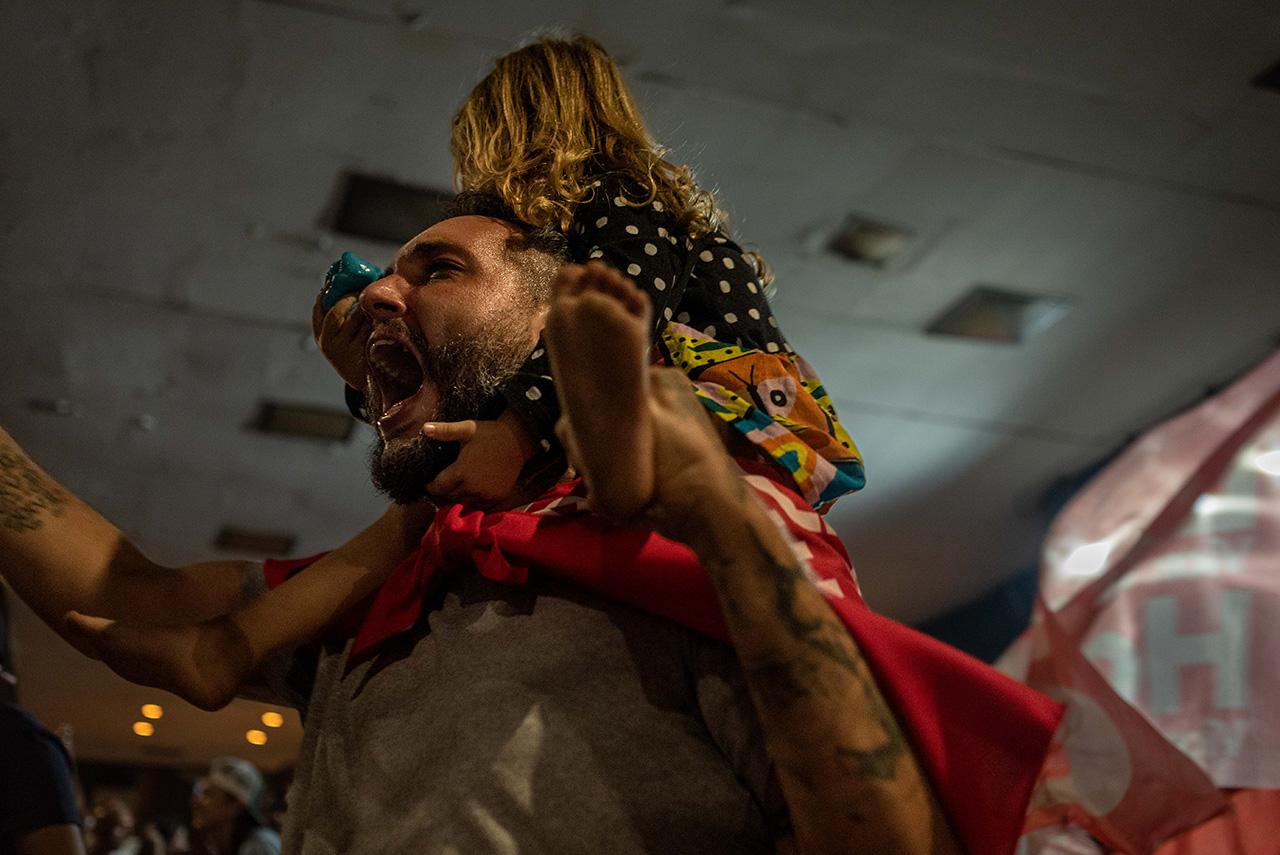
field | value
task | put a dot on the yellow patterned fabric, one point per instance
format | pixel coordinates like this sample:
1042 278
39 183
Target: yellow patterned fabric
778 403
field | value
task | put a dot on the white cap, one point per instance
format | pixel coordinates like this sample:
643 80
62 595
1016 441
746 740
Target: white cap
239 778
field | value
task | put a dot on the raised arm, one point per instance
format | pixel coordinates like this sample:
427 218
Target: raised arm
850 779
849 776
59 555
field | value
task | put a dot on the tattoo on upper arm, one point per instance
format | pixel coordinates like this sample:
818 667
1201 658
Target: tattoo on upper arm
26 495
782 681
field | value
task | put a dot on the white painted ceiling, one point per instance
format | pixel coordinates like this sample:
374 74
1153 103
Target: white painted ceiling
165 167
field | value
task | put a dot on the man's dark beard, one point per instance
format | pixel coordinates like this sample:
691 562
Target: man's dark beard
468 373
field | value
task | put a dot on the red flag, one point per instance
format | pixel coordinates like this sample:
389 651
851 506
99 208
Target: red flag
980 736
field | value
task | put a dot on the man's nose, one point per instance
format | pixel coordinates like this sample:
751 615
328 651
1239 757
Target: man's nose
384 299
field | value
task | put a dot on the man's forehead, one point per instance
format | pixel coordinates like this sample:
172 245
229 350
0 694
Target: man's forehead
473 234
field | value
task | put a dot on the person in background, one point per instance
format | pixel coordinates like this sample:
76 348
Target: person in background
224 811
38 813
112 829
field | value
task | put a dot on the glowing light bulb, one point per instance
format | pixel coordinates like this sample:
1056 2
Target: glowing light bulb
256 737
143 728
1268 463
272 719
1088 559
152 710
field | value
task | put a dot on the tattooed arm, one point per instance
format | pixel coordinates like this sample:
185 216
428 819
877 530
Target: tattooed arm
59 554
640 439
850 779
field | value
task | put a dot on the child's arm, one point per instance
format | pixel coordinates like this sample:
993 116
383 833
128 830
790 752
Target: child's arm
486 474
206 663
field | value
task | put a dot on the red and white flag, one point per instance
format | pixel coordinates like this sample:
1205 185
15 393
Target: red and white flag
1158 624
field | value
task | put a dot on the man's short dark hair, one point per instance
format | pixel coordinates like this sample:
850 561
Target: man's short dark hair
547 240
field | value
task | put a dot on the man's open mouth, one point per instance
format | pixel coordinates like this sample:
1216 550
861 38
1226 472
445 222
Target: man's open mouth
396 369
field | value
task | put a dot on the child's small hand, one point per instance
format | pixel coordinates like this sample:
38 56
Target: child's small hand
202 663
341 334
489 462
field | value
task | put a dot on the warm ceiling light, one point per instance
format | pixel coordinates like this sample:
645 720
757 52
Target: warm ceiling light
152 710
272 719
257 737
144 728
994 314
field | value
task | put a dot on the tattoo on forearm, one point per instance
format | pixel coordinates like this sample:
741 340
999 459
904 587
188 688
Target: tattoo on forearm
26 495
782 682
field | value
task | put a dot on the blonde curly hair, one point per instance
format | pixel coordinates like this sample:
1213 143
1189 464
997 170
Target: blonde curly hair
550 119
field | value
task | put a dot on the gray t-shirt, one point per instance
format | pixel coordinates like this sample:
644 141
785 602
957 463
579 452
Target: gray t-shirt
541 718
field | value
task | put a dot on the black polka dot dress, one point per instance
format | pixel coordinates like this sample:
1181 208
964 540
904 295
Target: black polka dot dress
713 321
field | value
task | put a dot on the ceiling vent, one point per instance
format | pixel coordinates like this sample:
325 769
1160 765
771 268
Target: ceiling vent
54 406
304 421
994 314
1269 79
385 211
868 242
233 539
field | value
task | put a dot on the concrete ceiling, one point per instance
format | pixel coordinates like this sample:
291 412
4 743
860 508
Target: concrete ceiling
166 168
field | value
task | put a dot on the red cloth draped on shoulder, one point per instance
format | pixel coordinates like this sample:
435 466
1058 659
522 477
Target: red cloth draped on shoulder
981 736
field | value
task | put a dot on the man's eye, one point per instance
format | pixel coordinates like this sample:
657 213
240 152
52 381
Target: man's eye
441 270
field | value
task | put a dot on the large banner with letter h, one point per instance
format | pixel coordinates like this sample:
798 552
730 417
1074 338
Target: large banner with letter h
1159 615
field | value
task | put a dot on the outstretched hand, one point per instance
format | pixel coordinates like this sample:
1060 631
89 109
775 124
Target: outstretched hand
204 663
